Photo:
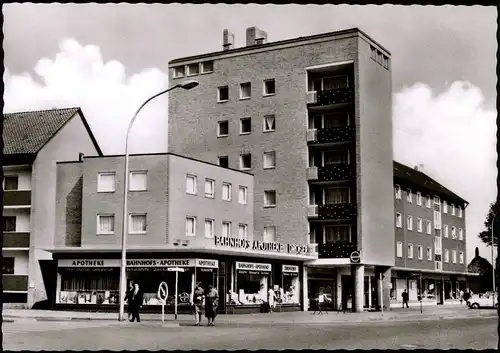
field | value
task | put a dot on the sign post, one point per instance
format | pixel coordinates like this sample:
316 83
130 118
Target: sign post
176 270
163 295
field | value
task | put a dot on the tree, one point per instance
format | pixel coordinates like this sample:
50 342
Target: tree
485 235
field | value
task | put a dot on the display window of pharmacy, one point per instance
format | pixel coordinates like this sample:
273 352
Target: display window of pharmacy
287 284
207 273
251 283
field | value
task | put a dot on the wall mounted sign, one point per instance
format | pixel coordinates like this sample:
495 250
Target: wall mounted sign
139 263
207 263
250 266
355 257
258 245
290 268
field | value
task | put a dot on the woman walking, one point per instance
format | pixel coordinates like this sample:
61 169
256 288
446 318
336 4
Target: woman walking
211 305
198 301
128 298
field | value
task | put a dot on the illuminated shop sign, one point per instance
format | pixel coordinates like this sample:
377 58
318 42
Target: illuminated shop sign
140 263
250 266
291 268
261 245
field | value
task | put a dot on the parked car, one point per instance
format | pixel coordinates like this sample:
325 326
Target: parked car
477 301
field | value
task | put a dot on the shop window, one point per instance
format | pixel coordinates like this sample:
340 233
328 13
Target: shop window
8 265
252 283
289 291
9 223
11 182
207 276
91 286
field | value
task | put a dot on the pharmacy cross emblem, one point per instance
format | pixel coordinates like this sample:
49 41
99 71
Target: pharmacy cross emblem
184 297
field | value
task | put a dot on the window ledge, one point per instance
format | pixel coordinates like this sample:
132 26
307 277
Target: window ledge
223 101
191 193
269 94
245 133
244 98
106 192
270 206
210 196
190 235
221 136
139 190
137 233
191 75
177 77
273 167
269 130
105 233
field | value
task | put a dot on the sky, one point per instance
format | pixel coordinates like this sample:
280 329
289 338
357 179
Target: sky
107 59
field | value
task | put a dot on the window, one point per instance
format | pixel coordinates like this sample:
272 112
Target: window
335 157
191 226
428 226
9 223
269 198
445 231
105 224
245 90
245 161
337 233
191 184
223 161
193 69
269 87
207 67
226 229
242 195
437 245
429 254
419 225
428 201
460 234
445 206
223 128
269 234
138 181
454 256
461 257
242 231
446 255
453 232
336 195
226 191
8 265
106 182
399 249
269 160
409 222
419 198
137 224
209 228
459 212
452 206
399 220
245 126
179 71
438 265
397 190
410 251
328 83
409 198
223 94
269 123
420 252
209 188
10 182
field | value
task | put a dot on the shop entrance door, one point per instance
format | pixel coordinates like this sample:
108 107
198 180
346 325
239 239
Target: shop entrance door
222 294
439 292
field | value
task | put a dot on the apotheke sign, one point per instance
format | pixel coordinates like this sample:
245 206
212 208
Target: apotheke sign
141 263
261 246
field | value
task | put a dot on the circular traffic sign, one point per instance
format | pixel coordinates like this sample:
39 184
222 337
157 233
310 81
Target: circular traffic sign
163 291
355 257
184 297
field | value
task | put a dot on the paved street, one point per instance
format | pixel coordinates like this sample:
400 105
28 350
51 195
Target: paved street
477 333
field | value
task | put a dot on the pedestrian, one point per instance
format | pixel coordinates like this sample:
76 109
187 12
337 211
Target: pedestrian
271 299
137 301
461 296
198 301
211 304
404 295
466 296
128 298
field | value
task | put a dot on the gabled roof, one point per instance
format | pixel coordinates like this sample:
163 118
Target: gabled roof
26 133
412 177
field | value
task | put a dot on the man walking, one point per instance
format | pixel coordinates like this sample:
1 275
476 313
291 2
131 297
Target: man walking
404 295
137 299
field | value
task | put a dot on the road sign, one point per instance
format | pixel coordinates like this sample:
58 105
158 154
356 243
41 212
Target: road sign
355 257
163 295
176 269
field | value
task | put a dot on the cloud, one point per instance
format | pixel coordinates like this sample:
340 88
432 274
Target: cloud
78 76
454 136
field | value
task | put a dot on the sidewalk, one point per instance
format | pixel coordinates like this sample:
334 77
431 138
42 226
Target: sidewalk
436 313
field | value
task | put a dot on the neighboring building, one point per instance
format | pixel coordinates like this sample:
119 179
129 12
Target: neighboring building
182 213
484 270
33 142
311 119
430 242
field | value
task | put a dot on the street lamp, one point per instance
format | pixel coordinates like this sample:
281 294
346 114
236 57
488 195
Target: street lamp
123 282
492 254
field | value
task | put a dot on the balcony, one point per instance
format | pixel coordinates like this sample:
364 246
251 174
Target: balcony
16 240
16 198
340 211
335 172
18 283
332 135
338 250
331 96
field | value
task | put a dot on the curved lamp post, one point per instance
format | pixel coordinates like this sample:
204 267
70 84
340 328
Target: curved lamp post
123 282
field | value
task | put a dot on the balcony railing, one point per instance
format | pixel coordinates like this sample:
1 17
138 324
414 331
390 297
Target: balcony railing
16 240
331 135
337 211
337 250
312 211
337 172
331 96
17 198
15 283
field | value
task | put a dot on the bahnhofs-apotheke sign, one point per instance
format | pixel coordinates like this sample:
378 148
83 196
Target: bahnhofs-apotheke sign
258 245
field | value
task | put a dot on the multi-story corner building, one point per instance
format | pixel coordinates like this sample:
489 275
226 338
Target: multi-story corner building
182 213
311 119
430 242
33 142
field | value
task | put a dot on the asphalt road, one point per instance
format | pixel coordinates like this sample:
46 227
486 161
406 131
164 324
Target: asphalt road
476 333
